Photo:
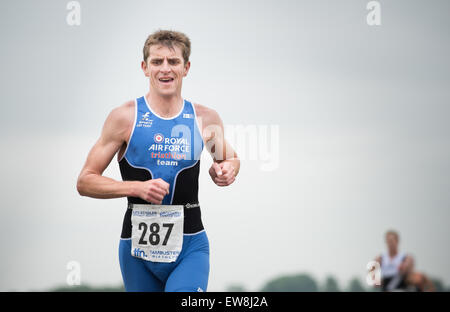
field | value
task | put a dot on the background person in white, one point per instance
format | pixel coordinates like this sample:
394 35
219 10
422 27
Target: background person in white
397 268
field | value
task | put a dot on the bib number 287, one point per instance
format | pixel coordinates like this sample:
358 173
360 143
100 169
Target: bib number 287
154 237
157 232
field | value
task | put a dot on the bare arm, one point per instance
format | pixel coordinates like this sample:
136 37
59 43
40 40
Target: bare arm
91 182
378 259
407 265
226 163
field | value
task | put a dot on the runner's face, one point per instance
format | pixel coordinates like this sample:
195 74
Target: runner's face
391 242
165 67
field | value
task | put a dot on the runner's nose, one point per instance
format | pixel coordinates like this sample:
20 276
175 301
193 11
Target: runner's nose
165 68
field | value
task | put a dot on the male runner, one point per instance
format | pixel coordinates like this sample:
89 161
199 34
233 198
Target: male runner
397 269
159 138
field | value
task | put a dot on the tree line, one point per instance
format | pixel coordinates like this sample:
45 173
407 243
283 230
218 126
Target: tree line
301 282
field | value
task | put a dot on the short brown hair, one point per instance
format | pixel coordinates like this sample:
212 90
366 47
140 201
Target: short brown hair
168 38
392 232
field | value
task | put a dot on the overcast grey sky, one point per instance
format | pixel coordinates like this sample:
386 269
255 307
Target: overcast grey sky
362 113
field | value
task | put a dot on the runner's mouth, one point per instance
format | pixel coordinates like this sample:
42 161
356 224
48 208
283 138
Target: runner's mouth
166 80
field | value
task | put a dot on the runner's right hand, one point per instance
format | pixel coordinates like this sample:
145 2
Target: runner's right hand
153 190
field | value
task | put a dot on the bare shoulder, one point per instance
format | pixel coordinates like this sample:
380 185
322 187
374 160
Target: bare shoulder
120 120
123 113
207 115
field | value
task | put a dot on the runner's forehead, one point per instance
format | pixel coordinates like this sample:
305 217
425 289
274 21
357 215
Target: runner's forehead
159 51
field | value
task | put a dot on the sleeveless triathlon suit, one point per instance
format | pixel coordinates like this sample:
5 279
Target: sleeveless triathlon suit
170 149
390 276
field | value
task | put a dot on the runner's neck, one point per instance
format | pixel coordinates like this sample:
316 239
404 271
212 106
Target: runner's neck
165 107
393 254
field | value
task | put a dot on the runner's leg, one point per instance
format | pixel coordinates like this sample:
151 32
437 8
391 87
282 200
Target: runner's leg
192 273
136 276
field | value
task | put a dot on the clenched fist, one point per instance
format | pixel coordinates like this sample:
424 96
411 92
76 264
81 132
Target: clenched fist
153 190
222 173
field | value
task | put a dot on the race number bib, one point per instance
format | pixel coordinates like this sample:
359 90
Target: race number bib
157 232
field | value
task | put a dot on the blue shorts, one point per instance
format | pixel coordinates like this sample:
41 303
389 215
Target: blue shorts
189 273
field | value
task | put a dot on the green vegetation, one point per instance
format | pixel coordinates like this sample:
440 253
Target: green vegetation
86 288
235 288
331 285
299 282
287 283
355 286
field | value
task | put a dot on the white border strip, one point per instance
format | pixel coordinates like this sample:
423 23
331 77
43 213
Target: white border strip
191 234
164 118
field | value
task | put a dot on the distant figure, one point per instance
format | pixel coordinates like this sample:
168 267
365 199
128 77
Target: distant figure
397 269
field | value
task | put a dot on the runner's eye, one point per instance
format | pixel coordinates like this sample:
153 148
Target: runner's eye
174 61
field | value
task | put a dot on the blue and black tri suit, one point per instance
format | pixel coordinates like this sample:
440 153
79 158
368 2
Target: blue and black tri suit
170 149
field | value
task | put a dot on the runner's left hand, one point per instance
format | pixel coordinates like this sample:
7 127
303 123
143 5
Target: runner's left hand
402 268
222 173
